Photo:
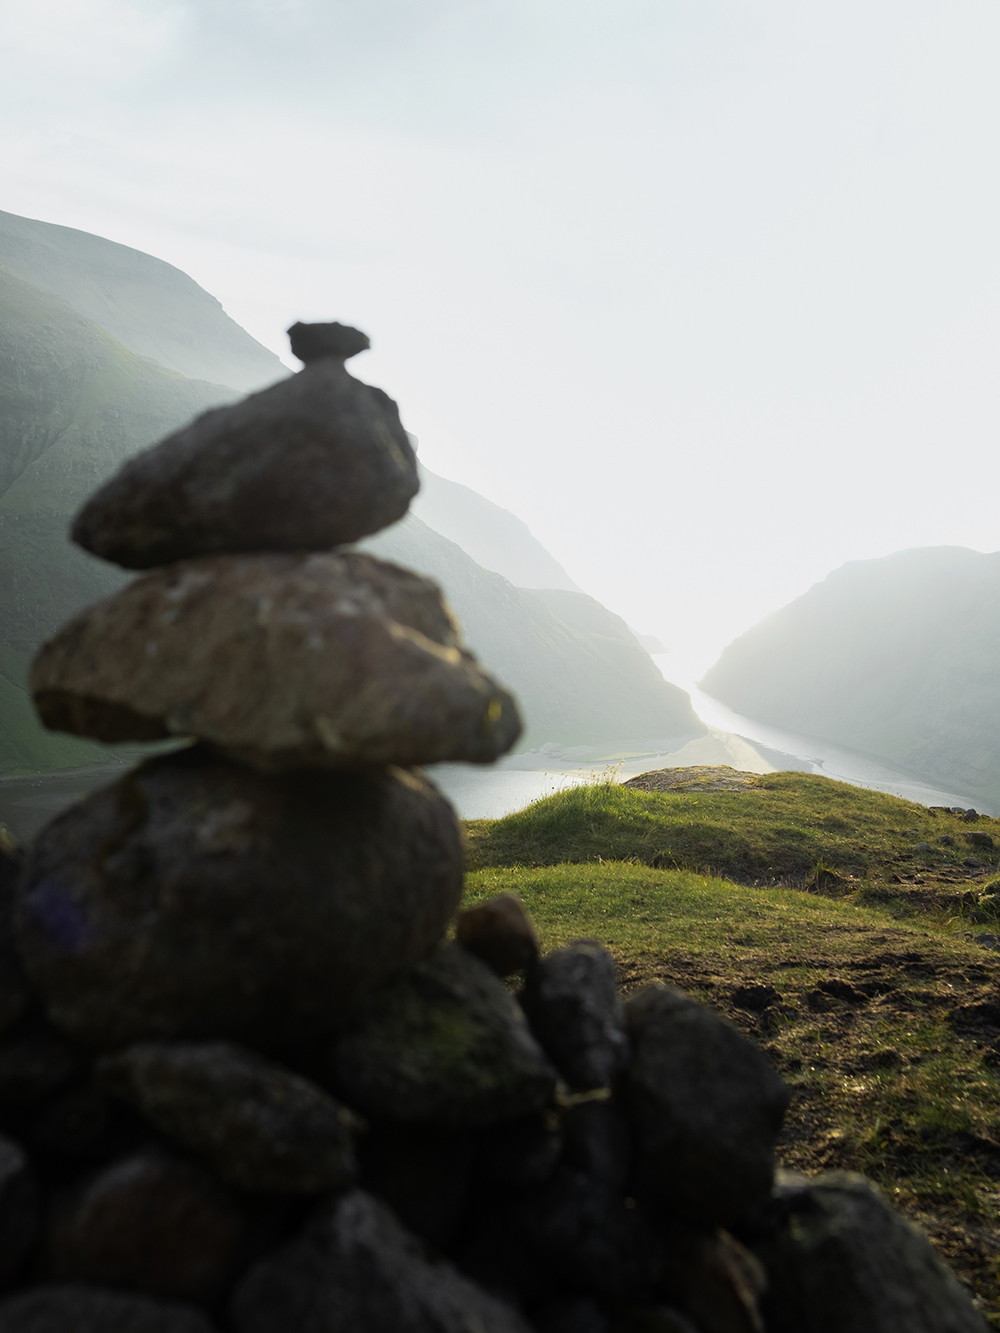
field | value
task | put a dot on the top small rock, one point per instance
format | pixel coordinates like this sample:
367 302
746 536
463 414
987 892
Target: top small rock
313 462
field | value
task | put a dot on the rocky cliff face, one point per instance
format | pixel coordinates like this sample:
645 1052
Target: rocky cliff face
896 657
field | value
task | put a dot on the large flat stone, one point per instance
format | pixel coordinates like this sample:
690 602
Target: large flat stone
314 461
282 661
198 899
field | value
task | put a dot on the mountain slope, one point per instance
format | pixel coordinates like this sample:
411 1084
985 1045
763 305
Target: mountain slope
578 673
147 305
494 537
73 405
896 657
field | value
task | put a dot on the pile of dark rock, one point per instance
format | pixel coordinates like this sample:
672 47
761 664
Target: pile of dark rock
247 1082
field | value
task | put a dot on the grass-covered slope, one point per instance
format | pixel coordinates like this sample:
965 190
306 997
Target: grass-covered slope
786 827
73 405
882 1017
147 305
896 657
580 676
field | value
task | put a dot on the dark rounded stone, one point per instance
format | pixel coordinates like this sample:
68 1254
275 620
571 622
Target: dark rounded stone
592 1238
34 1066
355 1268
500 933
706 1108
314 461
518 1154
19 1211
979 839
149 1222
598 1142
572 1002
196 898
838 1257
71 1307
443 1044
311 341
260 1126
571 1314
13 993
423 1174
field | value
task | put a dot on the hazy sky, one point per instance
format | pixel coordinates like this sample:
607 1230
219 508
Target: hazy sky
706 291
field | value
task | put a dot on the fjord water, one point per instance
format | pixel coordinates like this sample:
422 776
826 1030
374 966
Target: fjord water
28 803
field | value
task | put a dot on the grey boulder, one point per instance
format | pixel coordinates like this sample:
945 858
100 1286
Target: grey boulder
706 1109
839 1259
198 899
70 1307
572 1002
259 1125
282 661
443 1044
356 1268
314 461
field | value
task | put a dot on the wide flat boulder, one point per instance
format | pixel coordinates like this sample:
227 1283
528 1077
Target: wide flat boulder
282 661
196 898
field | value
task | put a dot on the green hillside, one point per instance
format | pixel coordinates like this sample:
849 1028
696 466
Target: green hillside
147 305
580 676
73 405
896 657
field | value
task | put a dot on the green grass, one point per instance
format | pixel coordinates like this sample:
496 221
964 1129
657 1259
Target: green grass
898 1080
635 910
792 826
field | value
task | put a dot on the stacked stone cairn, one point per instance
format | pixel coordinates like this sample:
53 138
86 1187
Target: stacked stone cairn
245 1082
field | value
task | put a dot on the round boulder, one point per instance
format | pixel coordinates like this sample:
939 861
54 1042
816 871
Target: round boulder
196 898
314 461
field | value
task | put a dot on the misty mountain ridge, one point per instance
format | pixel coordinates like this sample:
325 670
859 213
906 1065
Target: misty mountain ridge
554 648
75 402
146 304
494 537
896 657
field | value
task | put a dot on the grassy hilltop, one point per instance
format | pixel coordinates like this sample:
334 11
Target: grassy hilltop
799 908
